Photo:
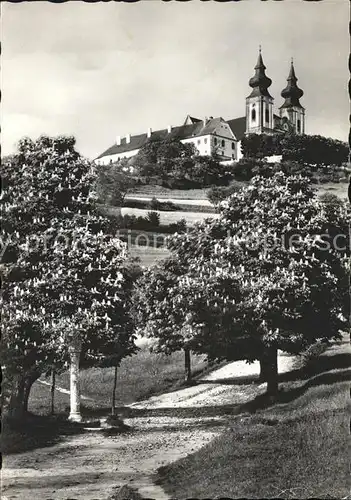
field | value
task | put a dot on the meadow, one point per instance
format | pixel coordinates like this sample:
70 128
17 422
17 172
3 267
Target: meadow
297 447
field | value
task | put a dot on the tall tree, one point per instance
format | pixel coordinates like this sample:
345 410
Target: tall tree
58 260
267 275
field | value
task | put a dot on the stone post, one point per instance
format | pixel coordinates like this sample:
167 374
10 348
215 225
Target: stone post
74 352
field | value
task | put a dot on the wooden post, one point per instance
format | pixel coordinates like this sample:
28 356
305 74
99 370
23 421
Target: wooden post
114 392
52 390
187 364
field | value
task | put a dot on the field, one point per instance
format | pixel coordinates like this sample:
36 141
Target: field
165 193
150 255
170 217
339 190
296 448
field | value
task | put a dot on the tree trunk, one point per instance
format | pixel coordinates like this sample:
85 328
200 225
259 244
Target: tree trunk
74 415
187 364
114 392
52 392
269 370
28 383
18 402
263 369
15 407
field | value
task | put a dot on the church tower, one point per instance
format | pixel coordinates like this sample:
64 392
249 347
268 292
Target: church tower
259 104
292 109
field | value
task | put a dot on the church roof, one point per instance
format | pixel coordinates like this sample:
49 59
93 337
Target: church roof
292 93
196 129
260 81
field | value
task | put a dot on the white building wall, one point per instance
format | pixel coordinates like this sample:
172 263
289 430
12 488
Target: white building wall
202 144
105 160
222 140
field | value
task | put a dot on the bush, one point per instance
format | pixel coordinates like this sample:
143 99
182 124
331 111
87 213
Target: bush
155 204
309 357
219 193
153 218
179 226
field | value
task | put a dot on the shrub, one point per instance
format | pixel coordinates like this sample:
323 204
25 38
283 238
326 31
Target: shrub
153 218
218 193
179 226
155 204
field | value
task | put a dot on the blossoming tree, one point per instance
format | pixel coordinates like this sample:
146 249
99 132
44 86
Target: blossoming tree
65 296
269 274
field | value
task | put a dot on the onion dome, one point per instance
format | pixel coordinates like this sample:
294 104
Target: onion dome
260 82
292 93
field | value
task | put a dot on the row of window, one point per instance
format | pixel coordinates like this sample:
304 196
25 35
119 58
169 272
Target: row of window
222 143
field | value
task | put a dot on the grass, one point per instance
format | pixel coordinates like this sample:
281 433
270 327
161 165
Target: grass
294 448
165 193
170 217
149 256
339 190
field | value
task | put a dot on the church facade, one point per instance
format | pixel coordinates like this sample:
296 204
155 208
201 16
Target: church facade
222 136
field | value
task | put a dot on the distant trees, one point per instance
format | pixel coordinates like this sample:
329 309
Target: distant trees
66 277
113 184
269 274
304 149
178 165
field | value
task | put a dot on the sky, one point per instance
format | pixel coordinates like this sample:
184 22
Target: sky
97 71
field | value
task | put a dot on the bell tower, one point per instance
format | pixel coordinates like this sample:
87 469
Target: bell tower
259 104
291 108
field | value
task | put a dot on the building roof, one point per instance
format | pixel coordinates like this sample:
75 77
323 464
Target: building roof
292 93
260 81
238 127
196 129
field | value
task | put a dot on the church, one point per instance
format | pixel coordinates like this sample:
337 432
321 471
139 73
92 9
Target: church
222 136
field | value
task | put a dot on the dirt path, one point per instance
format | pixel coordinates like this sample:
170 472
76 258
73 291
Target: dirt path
165 428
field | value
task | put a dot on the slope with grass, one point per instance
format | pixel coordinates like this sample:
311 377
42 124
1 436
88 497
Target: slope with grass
295 448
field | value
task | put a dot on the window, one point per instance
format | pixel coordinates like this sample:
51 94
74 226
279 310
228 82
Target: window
267 115
199 141
253 115
298 125
205 140
233 145
215 141
223 143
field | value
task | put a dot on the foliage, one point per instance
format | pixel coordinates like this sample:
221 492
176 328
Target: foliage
64 275
153 218
113 184
179 227
305 149
162 157
177 164
266 275
219 193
